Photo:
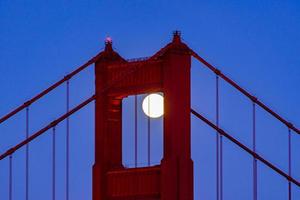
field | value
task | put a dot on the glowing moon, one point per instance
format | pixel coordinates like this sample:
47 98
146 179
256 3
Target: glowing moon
153 105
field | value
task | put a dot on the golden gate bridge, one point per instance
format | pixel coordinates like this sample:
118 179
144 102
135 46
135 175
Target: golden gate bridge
167 72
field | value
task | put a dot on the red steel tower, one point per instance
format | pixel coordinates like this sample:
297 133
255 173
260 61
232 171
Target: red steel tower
167 71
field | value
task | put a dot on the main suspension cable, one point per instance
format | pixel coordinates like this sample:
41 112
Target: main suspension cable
47 127
49 89
245 148
244 92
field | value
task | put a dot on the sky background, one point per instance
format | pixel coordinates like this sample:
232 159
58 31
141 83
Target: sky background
256 43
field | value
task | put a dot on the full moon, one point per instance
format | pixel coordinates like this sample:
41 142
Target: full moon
153 105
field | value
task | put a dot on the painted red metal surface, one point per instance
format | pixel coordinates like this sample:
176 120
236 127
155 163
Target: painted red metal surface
168 71
135 182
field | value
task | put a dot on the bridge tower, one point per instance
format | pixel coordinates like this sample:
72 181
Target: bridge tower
167 71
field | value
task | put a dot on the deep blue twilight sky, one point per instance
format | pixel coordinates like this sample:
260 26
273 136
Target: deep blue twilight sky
256 43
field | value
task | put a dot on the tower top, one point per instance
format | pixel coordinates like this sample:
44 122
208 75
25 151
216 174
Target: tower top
108 44
108 54
176 36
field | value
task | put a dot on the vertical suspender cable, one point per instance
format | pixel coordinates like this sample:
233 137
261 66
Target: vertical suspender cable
10 178
254 150
149 138
67 139
217 140
27 157
290 162
221 145
221 167
135 131
53 163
